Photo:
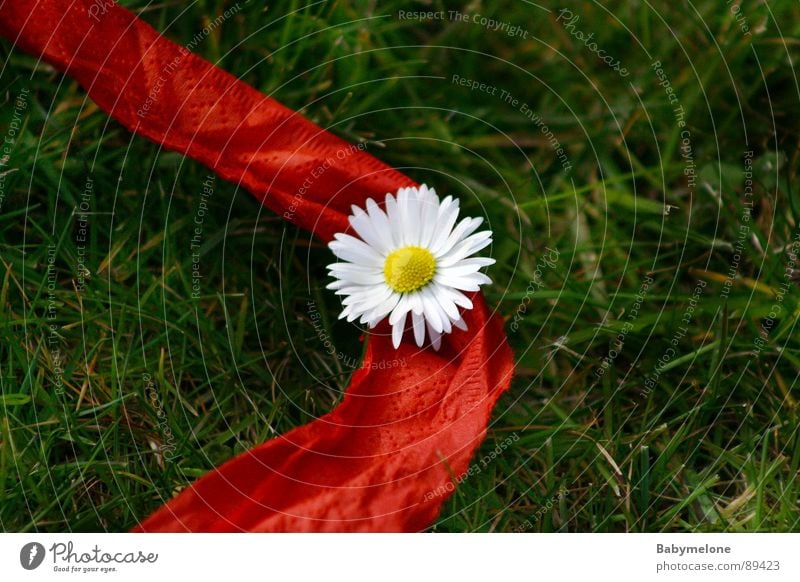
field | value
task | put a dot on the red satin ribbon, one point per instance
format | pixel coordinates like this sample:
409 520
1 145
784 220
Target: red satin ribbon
385 458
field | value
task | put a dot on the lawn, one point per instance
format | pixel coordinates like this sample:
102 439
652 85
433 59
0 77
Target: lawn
637 164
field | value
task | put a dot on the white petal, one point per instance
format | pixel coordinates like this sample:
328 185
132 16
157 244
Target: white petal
383 309
372 297
481 262
458 297
464 228
419 328
403 307
466 247
349 312
460 324
349 248
428 213
466 283
465 267
436 338
380 221
409 207
416 303
447 324
352 289
430 308
446 219
402 204
358 275
363 225
395 224
445 301
354 268
357 310
397 331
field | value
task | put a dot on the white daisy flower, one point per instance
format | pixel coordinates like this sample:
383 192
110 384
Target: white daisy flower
413 259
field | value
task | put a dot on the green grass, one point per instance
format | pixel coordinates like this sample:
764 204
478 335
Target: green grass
711 444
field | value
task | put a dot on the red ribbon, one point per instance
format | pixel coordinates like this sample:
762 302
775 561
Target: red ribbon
386 458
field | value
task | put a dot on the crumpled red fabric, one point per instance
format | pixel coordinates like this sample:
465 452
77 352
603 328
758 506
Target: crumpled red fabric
386 457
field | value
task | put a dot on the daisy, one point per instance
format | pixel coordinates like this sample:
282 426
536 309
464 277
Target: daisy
412 260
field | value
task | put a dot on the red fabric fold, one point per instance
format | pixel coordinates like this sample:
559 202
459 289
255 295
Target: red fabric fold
385 458
381 461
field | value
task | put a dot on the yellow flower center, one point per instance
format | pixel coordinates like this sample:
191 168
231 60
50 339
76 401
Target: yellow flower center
409 268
